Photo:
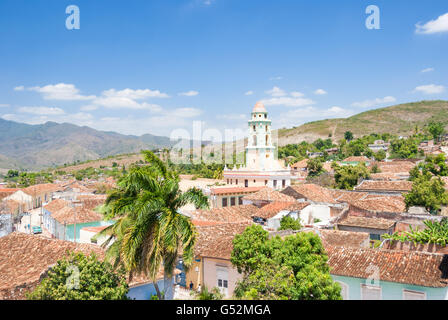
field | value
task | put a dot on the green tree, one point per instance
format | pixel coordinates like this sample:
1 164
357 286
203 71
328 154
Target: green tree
348 135
428 192
435 232
435 165
150 232
289 223
97 281
314 167
436 129
380 155
347 177
292 268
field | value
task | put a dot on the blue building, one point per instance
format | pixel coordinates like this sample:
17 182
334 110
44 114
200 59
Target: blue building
380 274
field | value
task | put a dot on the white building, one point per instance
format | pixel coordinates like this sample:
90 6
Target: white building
261 168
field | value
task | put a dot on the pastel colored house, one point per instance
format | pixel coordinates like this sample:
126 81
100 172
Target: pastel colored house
230 196
378 274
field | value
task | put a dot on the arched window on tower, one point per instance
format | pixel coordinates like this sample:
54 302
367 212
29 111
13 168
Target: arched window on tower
254 127
267 140
255 141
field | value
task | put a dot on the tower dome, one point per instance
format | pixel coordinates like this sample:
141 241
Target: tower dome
259 107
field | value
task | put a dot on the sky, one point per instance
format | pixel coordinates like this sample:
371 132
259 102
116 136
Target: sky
154 66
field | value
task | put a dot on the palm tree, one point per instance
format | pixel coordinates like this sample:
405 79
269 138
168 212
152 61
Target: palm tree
150 232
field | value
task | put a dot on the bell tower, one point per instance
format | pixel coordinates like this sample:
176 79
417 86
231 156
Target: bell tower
259 150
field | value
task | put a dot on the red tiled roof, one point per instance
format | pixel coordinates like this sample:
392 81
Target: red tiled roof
311 192
414 268
235 190
241 213
301 164
24 257
344 238
370 223
7 192
217 241
272 209
374 185
356 159
269 194
39 189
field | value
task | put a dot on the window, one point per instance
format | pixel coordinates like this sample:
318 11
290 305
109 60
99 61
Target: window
283 183
240 200
224 202
232 201
374 236
344 290
413 295
275 183
265 182
231 180
225 284
236 181
265 116
254 181
370 292
246 183
255 140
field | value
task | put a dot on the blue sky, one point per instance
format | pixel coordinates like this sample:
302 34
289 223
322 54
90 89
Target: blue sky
152 66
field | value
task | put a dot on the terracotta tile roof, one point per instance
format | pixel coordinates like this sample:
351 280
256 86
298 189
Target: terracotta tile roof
83 215
344 238
6 192
216 241
241 213
10 206
375 203
415 268
348 196
24 257
56 205
356 159
371 223
269 194
62 212
235 190
312 192
39 189
396 166
395 186
272 209
300 165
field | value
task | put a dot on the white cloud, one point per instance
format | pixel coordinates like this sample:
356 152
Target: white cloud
4 105
127 99
276 92
249 93
138 94
320 92
438 25
297 94
190 93
82 119
275 78
60 91
374 102
427 70
19 88
287 101
41 110
430 89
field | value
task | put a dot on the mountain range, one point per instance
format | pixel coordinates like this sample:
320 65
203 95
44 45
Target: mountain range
25 146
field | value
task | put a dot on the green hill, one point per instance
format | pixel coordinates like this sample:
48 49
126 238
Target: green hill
400 120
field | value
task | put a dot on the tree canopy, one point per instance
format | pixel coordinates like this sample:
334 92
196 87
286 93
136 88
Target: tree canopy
96 281
427 191
293 268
